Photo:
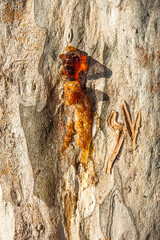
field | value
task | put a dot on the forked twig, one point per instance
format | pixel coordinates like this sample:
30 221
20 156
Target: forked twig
127 127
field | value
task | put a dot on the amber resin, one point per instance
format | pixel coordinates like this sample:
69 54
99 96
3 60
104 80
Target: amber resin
68 136
74 63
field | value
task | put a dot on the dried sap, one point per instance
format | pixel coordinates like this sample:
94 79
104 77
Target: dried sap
76 97
73 64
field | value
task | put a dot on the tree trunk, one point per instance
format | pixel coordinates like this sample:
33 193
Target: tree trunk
43 193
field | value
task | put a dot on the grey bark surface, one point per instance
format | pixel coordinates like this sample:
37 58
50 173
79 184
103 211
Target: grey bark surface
43 194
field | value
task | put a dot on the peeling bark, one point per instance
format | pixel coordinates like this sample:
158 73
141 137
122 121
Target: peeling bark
43 193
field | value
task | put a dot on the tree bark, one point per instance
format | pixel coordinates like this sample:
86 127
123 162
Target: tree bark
43 193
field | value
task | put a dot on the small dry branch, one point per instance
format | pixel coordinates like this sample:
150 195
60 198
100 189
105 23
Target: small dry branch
127 127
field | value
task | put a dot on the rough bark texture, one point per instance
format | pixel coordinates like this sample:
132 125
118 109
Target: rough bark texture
43 194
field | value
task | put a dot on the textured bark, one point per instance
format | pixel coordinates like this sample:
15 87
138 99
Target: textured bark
43 194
